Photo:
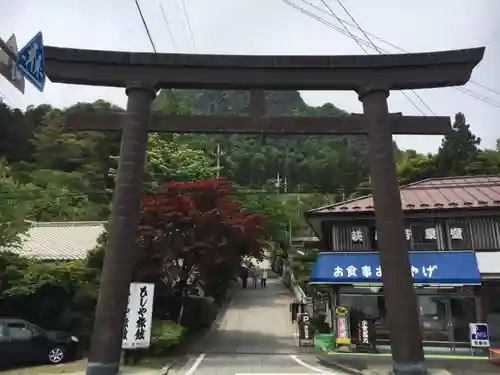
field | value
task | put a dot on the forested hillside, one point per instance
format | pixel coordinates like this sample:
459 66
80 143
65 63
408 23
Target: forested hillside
309 163
50 175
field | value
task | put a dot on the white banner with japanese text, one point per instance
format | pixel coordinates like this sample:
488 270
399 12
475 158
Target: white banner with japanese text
139 316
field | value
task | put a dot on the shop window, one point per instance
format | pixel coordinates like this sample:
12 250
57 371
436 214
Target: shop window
485 231
432 307
459 235
463 312
423 236
433 318
349 237
366 305
372 232
374 236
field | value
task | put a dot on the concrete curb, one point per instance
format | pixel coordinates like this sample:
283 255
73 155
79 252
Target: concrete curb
223 309
164 370
215 324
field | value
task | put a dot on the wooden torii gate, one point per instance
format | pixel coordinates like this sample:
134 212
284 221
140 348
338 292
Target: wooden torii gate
372 77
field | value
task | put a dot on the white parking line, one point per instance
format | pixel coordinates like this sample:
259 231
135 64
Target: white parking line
195 364
312 368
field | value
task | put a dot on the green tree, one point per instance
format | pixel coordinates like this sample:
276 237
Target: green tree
413 167
485 162
65 196
271 207
458 149
170 159
15 207
309 162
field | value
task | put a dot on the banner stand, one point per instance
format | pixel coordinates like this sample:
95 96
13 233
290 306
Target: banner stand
342 328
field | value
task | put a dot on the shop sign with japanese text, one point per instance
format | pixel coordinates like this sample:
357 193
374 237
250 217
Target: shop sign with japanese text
426 267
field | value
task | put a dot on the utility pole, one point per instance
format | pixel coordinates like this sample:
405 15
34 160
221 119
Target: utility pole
218 154
277 184
342 193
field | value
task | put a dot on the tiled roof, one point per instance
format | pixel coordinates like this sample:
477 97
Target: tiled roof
432 194
60 240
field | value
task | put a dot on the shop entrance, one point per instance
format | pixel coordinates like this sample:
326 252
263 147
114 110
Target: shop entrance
444 314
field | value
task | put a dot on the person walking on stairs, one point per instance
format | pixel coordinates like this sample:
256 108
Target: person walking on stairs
263 278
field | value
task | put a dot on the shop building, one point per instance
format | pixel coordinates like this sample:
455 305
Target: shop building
453 232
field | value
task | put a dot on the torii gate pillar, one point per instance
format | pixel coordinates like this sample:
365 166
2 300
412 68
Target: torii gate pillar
402 309
116 275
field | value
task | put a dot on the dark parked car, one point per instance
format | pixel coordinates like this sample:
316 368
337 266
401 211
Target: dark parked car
22 342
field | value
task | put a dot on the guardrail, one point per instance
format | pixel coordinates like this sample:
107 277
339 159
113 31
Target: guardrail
299 294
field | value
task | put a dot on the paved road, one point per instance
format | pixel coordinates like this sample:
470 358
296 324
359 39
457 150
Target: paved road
253 336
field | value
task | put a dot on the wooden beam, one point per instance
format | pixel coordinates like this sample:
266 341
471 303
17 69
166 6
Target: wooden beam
80 121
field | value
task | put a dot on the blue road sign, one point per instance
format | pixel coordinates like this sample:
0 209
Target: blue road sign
479 335
30 61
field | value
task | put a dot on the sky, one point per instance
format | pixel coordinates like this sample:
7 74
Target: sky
272 27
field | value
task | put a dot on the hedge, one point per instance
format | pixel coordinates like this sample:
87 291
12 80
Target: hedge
62 296
165 335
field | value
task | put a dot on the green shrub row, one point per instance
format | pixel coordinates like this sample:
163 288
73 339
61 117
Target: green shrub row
165 335
63 295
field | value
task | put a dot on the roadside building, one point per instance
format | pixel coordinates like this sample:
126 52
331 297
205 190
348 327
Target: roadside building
59 241
453 232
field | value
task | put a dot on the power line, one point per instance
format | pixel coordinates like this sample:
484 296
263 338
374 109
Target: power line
345 28
342 31
186 14
27 194
387 42
165 19
145 25
480 97
152 42
469 92
380 52
486 88
366 52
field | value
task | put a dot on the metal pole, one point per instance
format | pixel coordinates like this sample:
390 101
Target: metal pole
119 257
402 315
218 160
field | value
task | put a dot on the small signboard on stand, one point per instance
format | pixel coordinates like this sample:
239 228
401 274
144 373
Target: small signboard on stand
306 336
366 335
343 334
479 336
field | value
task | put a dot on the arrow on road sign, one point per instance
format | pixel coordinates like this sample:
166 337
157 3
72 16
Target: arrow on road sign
31 63
8 66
